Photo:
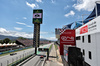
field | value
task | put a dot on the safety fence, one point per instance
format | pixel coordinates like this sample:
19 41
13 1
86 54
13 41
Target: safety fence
16 59
14 50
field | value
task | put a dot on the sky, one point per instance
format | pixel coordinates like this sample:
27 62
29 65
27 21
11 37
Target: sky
16 16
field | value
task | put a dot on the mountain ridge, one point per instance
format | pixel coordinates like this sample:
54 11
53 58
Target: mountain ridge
14 38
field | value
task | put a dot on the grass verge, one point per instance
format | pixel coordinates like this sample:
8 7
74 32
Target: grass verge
50 47
56 47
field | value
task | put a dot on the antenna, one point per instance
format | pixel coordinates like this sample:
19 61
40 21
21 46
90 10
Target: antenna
83 18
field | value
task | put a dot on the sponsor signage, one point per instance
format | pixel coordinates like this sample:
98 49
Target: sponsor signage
92 26
37 16
84 29
67 37
89 28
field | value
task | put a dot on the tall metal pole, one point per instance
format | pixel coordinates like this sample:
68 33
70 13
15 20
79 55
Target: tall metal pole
75 24
82 19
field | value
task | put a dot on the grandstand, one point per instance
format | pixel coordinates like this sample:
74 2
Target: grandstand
20 43
28 43
9 46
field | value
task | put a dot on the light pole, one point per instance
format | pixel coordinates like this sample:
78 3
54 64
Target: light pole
83 17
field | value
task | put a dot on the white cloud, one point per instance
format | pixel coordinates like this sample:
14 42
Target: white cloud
2 30
39 1
71 13
20 23
32 5
47 32
5 32
28 26
52 38
23 24
66 7
52 1
43 32
49 38
15 33
24 18
85 5
17 28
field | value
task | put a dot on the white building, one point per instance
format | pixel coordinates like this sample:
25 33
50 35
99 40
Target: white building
88 40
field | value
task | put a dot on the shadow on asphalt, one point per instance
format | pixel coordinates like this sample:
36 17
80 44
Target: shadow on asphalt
52 57
41 55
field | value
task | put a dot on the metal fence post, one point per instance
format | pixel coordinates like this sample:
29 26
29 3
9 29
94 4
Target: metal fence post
12 60
23 55
7 62
16 59
20 58
1 64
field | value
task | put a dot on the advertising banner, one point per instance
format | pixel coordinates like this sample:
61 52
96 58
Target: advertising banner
37 16
84 29
67 37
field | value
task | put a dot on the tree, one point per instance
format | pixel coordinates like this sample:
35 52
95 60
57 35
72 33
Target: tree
13 41
10 41
1 41
22 38
49 41
6 40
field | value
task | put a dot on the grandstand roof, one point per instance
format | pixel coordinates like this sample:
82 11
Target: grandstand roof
28 42
25 42
93 14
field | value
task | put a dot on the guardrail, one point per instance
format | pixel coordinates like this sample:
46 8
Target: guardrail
23 60
20 61
26 60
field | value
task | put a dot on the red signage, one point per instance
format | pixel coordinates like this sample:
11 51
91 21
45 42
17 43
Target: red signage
67 37
84 29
